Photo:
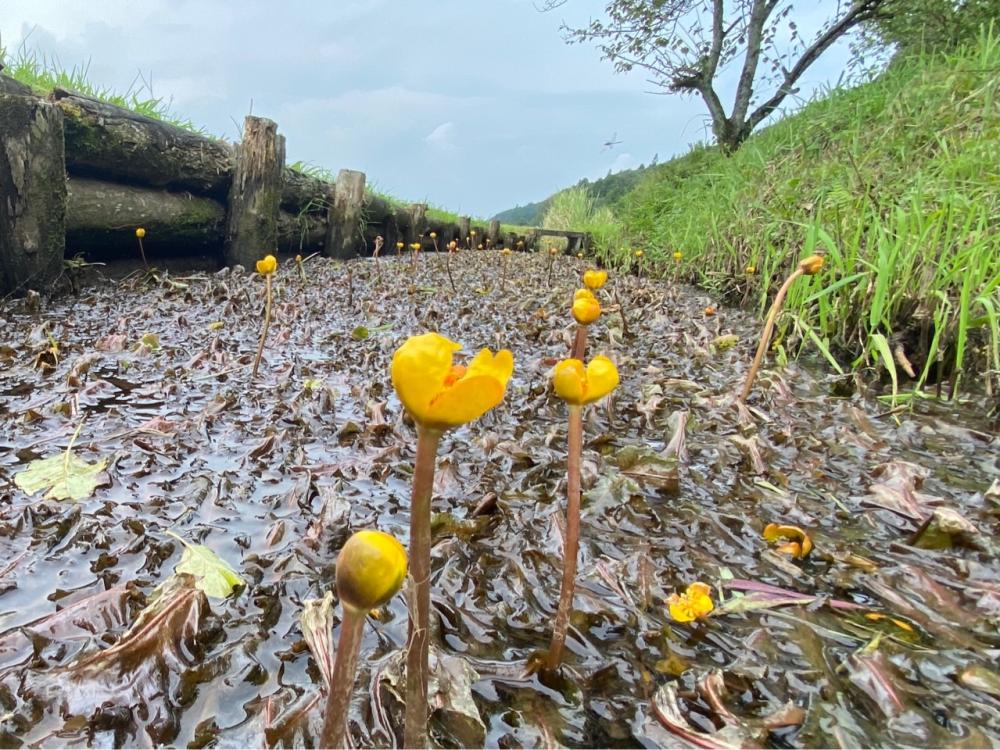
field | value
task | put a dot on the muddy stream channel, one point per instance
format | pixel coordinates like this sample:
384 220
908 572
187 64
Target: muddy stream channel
885 635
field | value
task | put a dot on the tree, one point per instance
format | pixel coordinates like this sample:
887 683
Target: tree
918 25
685 44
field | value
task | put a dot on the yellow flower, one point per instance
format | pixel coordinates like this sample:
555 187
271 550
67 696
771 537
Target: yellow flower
400 245
267 266
580 256
480 245
298 258
693 604
140 232
371 567
434 235
751 270
452 246
506 251
812 264
472 233
595 279
586 309
639 253
553 251
415 246
678 255
795 541
577 386
440 395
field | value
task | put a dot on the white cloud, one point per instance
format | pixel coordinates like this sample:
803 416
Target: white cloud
442 137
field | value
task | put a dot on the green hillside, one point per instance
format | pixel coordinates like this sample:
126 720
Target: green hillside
896 182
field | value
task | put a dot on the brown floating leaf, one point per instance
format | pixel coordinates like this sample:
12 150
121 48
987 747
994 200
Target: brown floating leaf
316 621
980 678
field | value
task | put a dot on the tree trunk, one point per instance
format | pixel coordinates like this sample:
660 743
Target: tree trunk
32 193
255 194
344 222
112 143
101 219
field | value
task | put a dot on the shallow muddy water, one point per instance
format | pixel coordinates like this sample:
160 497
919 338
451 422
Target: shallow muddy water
883 636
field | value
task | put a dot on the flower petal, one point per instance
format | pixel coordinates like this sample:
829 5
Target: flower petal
467 400
602 378
419 368
679 608
570 381
499 365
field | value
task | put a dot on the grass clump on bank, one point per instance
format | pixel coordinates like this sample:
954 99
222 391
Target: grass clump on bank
896 182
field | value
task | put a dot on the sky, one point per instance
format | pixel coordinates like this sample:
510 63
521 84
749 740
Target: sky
470 105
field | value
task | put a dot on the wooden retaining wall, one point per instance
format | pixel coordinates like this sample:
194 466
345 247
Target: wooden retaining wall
77 176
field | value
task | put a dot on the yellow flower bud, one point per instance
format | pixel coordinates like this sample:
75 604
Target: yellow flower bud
583 293
480 245
298 258
639 253
472 233
553 251
595 279
578 386
400 245
751 270
586 310
452 246
579 256
693 604
440 395
434 235
678 256
140 232
811 265
267 266
371 567
414 246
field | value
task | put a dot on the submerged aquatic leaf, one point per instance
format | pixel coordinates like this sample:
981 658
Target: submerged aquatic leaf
63 476
211 573
648 467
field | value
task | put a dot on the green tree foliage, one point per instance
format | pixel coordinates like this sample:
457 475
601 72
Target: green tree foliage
684 45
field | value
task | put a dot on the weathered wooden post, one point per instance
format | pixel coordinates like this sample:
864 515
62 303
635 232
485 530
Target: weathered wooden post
418 221
343 226
32 193
255 194
493 234
464 224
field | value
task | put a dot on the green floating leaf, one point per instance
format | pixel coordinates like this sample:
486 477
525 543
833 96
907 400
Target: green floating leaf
611 490
360 333
64 476
213 575
646 466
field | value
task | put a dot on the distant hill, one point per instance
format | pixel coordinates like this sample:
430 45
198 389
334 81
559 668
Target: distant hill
605 192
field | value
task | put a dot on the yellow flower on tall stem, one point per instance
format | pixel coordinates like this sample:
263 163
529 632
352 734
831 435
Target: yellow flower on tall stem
594 279
577 386
266 268
371 567
586 309
439 395
399 248
139 234
807 267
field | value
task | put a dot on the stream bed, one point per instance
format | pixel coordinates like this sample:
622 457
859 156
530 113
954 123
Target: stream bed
885 635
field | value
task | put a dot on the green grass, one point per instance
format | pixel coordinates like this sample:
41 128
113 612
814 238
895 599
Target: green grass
576 209
896 182
43 74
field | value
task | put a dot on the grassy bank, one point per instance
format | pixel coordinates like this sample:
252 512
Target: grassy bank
896 182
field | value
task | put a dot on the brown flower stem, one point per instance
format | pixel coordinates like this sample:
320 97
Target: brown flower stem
267 323
579 343
572 544
338 698
447 265
503 275
415 732
621 311
551 263
350 286
142 252
765 337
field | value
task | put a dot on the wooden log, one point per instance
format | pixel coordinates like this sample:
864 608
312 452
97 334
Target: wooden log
255 194
344 230
32 193
464 227
493 233
101 219
10 86
115 144
303 193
